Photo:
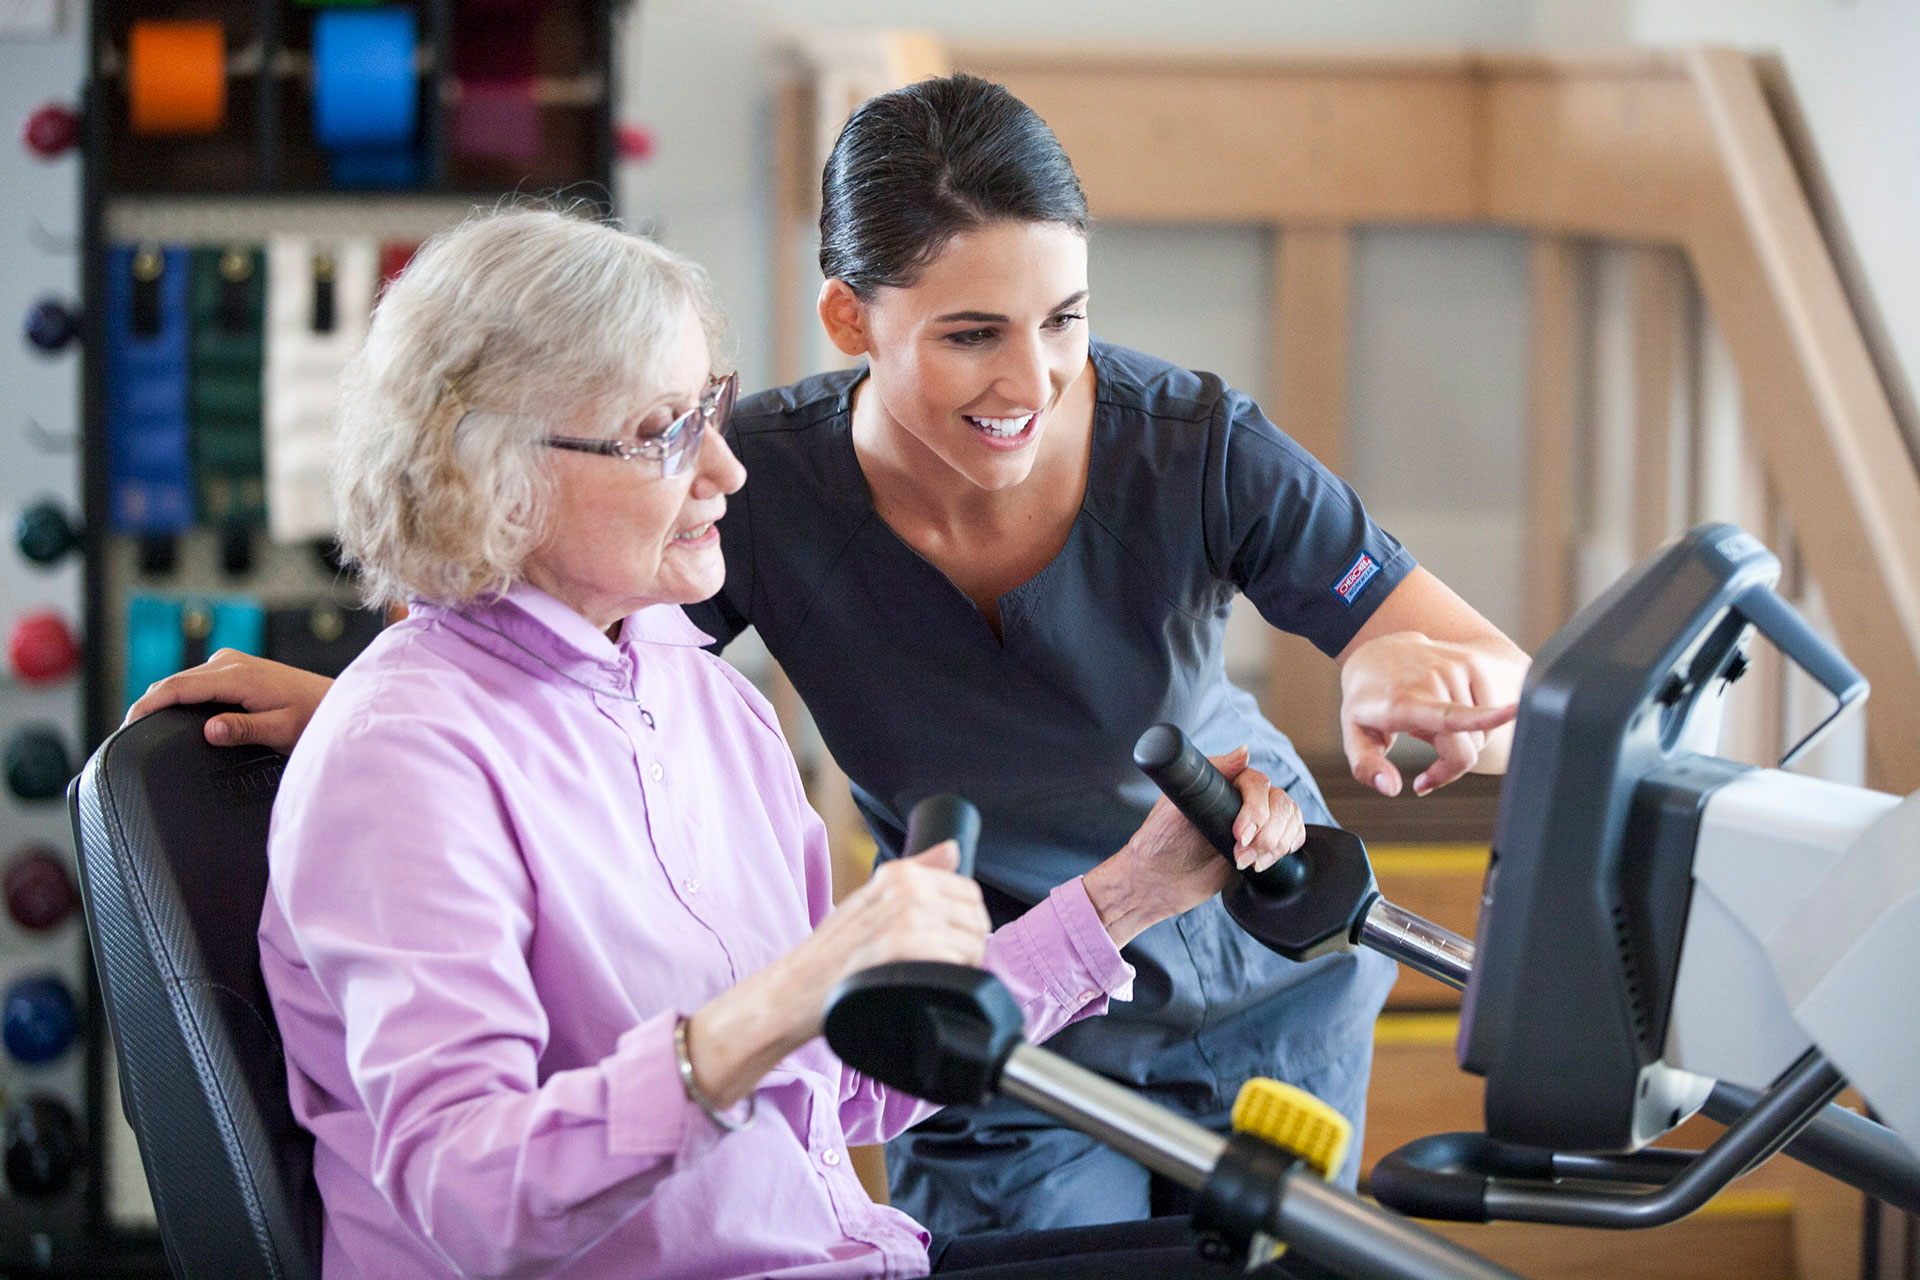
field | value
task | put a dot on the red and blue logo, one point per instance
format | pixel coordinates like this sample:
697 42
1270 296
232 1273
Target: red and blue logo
1355 579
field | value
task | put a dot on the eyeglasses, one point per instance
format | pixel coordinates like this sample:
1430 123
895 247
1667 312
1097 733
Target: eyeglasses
676 447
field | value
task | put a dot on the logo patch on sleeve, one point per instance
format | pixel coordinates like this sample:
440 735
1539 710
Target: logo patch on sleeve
1355 579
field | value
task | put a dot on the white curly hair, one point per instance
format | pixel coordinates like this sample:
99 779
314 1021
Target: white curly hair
518 324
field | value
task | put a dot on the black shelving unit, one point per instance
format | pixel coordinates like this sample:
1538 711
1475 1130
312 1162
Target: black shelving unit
266 145
264 153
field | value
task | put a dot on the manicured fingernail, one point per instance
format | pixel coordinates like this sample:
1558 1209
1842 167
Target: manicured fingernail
218 731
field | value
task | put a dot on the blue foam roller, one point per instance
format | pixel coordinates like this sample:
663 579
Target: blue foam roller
38 1021
365 86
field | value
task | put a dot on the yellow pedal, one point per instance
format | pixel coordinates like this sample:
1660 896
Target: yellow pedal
1294 1120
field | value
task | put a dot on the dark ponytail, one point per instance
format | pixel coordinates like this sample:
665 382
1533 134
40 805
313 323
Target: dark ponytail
915 167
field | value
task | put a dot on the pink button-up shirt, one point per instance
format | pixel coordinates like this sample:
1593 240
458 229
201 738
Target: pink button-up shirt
506 855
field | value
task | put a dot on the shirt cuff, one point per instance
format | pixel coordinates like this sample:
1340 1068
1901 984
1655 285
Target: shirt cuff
648 1112
1065 954
1092 945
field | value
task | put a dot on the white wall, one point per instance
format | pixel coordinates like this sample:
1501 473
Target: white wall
1437 403
1849 68
1851 65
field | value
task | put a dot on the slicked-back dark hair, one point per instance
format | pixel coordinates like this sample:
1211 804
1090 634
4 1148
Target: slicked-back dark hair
917 166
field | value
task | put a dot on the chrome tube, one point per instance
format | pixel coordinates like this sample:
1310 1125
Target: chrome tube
1168 1144
1355 1238
1417 943
1327 1224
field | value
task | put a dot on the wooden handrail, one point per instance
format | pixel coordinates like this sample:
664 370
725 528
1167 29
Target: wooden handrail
1833 448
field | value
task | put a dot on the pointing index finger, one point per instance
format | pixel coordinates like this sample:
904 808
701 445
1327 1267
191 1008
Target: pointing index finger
1427 718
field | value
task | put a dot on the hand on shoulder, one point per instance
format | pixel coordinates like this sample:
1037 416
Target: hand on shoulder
279 700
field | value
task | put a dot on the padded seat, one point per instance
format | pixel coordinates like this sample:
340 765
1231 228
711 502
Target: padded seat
172 835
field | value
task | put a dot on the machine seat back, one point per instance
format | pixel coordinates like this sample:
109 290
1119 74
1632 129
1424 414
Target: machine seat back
172 839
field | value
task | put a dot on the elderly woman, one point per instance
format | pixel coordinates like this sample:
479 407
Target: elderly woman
549 928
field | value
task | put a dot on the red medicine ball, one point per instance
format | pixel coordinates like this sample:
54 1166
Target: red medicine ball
51 131
39 891
42 648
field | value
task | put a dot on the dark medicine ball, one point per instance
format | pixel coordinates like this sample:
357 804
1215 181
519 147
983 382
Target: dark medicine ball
42 1148
39 889
38 767
38 1019
52 325
44 533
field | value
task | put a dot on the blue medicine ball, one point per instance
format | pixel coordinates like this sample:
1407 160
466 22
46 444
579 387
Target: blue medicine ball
38 1020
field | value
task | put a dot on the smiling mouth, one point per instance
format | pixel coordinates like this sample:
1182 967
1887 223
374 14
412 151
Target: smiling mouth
694 534
1003 428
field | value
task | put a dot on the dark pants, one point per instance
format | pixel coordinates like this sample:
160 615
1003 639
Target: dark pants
1155 1249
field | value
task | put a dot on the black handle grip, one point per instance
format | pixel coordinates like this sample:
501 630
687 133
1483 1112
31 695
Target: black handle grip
1203 794
944 817
1438 1177
939 1031
1776 620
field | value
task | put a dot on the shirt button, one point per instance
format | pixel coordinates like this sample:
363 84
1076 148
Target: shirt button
1086 997
830 1158
658 771
691 886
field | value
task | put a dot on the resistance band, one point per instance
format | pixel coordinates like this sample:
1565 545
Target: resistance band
394 257
149 481
166 635
228 302
176 78
319 294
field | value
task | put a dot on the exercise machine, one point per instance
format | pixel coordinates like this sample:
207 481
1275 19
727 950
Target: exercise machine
1662 931
952 1034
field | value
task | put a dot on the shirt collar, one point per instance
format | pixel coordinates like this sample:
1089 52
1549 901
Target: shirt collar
655 624
537 632
662 624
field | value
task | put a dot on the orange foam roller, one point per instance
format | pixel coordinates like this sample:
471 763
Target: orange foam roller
177 77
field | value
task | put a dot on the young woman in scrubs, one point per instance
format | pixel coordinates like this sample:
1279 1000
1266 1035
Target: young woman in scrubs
1003 528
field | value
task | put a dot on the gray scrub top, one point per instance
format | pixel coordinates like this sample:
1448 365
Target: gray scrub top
1192 496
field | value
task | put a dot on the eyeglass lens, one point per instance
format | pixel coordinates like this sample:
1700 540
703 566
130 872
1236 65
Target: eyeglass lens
685 435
